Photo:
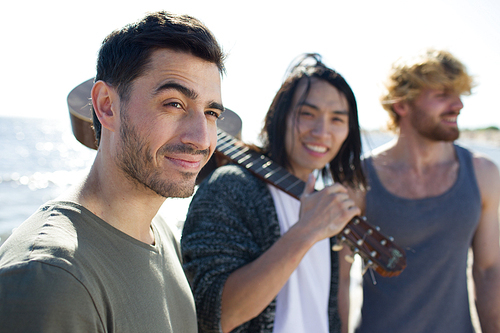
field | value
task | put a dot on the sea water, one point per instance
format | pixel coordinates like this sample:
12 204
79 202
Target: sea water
40 158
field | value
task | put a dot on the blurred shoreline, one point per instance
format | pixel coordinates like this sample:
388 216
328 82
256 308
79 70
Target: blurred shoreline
482 136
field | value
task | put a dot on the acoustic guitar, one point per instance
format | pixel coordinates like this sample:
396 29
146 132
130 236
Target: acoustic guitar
378 251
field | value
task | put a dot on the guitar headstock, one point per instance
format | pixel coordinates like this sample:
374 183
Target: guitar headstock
377 250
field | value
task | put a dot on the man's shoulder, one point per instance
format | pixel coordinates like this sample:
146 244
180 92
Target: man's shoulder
482 162
48 293
58 234
233 176
487 173
231 188
37 265
48 229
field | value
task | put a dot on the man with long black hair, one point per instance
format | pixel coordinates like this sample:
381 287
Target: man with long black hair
258 259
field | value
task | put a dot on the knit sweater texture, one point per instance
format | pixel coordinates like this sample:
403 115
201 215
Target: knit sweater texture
231 221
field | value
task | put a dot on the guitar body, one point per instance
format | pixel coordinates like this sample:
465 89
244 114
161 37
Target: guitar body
80 111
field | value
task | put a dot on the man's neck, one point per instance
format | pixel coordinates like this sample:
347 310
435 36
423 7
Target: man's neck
416 168
113 197
412 150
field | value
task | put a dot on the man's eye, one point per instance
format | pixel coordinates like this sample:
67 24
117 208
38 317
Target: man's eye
176 105
305 114
214 114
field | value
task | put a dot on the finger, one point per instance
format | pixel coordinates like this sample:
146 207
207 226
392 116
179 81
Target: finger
352 209
335 188
309 188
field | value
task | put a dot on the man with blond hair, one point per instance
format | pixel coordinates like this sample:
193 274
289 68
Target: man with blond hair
437 200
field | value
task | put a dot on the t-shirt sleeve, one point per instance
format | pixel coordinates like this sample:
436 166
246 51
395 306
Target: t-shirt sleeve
39 297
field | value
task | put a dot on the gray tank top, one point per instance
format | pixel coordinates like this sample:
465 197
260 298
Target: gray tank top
430 295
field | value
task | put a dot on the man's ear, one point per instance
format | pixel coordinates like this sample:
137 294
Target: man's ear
401 108
106 103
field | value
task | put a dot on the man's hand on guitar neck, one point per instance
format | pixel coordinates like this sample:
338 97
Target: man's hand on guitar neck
325 213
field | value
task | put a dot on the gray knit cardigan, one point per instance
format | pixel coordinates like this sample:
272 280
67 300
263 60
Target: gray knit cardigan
231 221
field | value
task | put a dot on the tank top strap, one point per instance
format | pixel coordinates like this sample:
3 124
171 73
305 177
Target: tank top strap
466 171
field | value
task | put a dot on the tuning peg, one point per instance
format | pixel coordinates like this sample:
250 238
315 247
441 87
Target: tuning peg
368 264
369 268
350 257
340 239
337 247
372 276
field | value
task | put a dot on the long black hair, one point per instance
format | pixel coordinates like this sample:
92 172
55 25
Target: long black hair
345 167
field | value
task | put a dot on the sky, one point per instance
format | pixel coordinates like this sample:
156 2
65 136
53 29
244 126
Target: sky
49 47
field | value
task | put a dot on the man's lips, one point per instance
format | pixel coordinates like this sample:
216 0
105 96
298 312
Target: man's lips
185 156
321 149
193 162
450 119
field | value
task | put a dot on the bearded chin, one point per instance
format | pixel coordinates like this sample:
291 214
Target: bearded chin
449 135
182 188
141 171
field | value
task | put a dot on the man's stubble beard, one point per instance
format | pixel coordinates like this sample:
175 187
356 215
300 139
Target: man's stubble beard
430 130
136 161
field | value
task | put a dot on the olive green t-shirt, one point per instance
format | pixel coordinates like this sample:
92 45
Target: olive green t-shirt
66 270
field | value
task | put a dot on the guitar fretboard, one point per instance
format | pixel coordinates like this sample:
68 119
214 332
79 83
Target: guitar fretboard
260 165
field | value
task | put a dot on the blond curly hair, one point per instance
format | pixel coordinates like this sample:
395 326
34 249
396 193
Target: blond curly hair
432 69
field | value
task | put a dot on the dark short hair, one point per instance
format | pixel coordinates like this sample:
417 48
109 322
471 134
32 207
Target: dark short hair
126 53
345 167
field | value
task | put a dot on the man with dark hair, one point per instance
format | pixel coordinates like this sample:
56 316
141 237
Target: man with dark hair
98 259
438 200
258 259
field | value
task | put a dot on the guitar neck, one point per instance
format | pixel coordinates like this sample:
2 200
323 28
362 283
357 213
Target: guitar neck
260 165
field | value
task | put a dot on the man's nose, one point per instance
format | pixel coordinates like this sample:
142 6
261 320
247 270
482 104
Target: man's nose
197 130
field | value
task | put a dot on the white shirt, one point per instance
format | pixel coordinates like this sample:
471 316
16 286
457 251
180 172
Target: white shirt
302 303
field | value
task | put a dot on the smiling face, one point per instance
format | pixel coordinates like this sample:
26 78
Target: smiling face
317 127
168 124
433 114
